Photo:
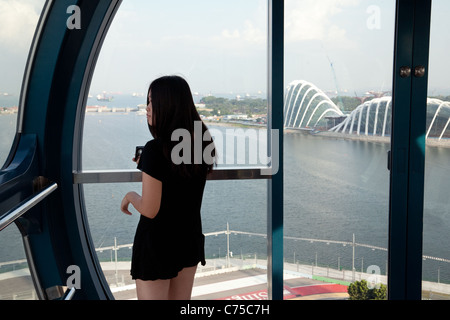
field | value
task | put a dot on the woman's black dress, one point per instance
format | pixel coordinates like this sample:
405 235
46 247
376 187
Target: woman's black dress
172 240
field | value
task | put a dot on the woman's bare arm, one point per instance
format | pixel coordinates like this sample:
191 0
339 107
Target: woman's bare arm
149 203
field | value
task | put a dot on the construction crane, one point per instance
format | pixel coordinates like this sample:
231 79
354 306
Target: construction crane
335 82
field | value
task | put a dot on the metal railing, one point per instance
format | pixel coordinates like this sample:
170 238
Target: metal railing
68 295
352 244
134 175
229 260
10 216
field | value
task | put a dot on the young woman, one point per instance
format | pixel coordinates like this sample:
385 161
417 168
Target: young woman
169 242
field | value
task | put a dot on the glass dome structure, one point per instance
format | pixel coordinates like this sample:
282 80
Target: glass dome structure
370 118
374 118
306 106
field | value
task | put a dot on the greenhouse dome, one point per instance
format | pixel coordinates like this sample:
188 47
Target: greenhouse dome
307 106
374 118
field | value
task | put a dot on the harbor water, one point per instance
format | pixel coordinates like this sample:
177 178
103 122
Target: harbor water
334 189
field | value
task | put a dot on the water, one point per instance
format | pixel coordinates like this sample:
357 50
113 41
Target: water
334 188
241 203
8 124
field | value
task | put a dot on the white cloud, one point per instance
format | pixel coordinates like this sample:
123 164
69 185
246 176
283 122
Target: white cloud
254 34
18 20
227 34
312 20
242 39
252 31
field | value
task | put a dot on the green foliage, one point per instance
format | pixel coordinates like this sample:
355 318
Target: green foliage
345 103
441 97
223 106
359 290
380 293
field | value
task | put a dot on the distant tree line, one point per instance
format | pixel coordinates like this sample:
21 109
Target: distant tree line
443 98
217 106
346 103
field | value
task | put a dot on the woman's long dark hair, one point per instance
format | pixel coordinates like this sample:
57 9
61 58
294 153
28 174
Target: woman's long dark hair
174 108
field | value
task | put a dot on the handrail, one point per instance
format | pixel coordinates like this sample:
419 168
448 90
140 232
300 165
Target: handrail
10 216
311 240
134 175
68 295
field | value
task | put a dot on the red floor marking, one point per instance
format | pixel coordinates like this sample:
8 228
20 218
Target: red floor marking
290 293
319 289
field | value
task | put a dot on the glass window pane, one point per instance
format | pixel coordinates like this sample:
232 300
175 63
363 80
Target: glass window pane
224 61
15 279
338 75
18 20
235 238
436 262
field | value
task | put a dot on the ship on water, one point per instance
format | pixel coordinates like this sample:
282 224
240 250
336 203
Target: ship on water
104 97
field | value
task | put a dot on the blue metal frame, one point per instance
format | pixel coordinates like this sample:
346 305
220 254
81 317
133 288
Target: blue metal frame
408 150
275 122
58 70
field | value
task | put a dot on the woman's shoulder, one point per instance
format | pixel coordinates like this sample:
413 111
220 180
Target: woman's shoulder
154 144
152 159
153 151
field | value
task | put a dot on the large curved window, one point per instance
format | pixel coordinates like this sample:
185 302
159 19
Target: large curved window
224 61
18 21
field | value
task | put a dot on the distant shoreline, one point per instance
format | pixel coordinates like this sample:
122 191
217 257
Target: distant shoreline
347 136
233 124
431 142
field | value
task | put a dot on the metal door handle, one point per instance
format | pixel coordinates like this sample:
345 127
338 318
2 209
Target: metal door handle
419 71
405 71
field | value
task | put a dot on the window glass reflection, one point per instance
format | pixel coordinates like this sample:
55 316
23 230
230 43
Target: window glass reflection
436 262
18 20
223 60
235 238
15 279
338 70
221 50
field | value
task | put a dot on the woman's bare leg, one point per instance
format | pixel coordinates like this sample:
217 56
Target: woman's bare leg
181 285
152 289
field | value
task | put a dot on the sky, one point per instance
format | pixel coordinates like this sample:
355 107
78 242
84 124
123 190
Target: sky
221 46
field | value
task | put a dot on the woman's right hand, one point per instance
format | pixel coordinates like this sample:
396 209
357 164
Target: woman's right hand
124 205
